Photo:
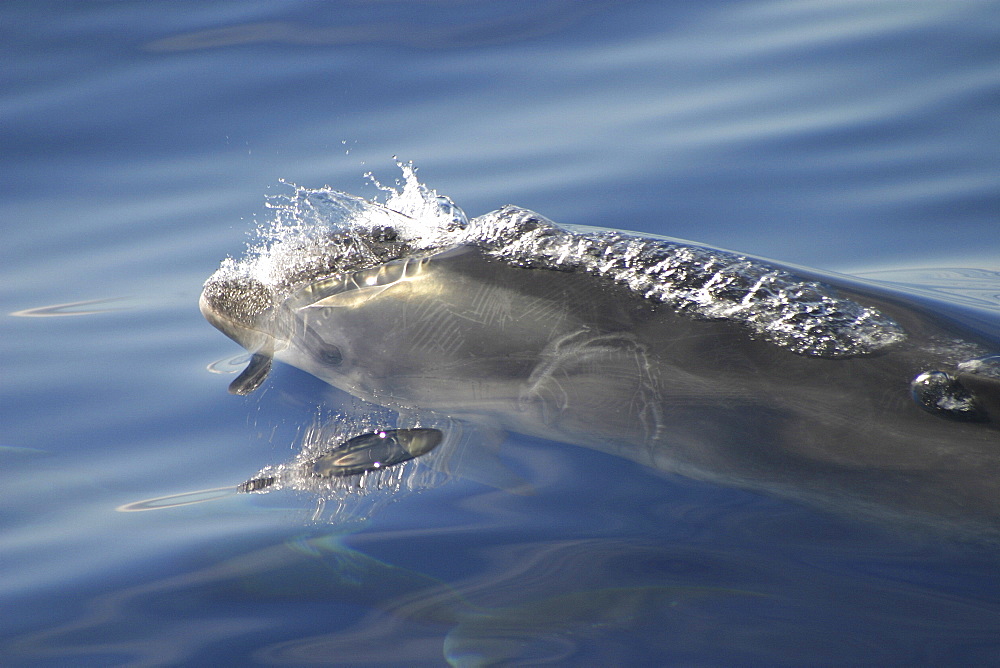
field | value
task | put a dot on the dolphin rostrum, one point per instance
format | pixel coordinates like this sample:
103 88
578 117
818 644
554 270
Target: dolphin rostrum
686 358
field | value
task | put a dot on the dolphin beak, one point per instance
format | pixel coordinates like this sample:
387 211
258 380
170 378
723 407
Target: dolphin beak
257 342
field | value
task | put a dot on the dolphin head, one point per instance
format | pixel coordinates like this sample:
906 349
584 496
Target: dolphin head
255 301
239 307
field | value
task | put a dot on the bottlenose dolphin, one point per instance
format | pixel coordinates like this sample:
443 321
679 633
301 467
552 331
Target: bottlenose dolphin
682 357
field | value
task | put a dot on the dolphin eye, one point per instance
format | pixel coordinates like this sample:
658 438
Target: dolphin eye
327 353
330 355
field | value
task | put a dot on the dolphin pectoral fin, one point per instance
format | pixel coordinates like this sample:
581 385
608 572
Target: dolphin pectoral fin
376 450
253 375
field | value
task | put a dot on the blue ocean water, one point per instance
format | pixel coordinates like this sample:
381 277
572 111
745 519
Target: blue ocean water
138 143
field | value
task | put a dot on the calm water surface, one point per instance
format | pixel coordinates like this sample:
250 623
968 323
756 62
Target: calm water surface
138 142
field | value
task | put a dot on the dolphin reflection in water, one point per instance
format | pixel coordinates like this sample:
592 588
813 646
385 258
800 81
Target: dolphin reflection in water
685 358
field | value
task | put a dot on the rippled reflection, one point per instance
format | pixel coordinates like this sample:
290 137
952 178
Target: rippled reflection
175 500
972 287
72 309
479 25
233 364
489 620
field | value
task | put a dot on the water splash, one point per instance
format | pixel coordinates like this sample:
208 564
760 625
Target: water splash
322 232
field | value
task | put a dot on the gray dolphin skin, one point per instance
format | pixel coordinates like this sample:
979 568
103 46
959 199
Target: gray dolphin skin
685 358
